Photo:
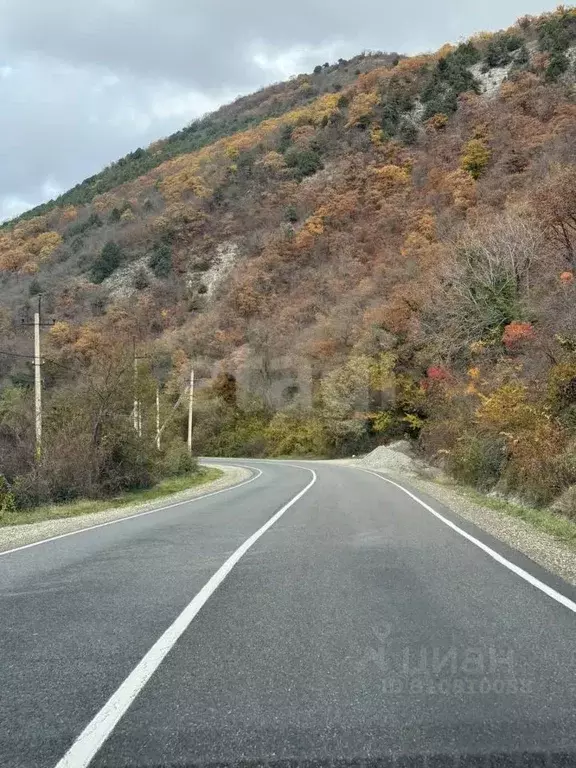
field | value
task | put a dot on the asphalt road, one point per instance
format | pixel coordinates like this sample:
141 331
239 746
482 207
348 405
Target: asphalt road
359 626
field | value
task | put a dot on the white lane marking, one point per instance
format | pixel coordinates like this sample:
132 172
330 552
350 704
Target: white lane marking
560 598
138 514
101 726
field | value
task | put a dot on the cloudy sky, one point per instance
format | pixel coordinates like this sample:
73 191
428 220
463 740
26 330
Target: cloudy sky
83 82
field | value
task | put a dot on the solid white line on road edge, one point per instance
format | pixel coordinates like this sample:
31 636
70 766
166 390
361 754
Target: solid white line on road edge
101 726
138 514
560 598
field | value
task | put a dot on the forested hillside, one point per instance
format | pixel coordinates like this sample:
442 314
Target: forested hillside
384 247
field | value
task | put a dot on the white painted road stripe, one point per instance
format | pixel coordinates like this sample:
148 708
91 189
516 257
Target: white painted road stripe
101 726
560 598
138 514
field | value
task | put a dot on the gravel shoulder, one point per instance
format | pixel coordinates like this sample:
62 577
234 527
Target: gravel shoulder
541 547
20 535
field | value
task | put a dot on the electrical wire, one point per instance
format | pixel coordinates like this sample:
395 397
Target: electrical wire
43 359
15 354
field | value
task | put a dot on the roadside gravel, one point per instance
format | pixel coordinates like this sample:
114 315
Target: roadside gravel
19 535
539 546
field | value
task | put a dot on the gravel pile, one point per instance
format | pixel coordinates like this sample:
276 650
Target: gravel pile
18 535
388 459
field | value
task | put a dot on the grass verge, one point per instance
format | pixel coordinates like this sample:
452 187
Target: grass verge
552 523
88 506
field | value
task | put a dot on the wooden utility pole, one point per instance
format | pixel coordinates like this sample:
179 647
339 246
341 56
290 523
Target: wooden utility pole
190 410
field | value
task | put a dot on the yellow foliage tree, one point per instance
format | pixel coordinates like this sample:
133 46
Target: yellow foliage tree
509 411
462 187
389 177
61 334
68 215
377 135
30 227
44 245
475 157
437 122
361 108
127 216
273 160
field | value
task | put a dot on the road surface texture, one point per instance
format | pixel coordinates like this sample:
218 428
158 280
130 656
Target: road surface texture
359 628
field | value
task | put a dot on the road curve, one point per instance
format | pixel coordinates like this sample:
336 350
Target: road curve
356 624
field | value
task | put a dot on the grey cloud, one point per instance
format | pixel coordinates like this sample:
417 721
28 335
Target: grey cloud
82 83
207 42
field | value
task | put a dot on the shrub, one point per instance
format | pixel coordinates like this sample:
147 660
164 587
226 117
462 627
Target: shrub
499 49
304 162
291 214
348 436
8 505
81 227
296 435
565 504
285 138
558 65
127 463
178 461
538 469
28 491
478 461
438 436
450 78
317 69
516 333
562 386
556 33
223 429
438 122
522 58
160 261
107 263
466 54
508 409
7 502
390 118
141 280
408 132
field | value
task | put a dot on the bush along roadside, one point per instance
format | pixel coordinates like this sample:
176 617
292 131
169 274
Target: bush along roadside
10 515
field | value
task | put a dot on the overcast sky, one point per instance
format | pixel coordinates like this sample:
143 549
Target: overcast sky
83 82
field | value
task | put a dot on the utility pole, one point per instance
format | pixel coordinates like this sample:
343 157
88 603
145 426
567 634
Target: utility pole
190 411
135 414
158 417
38 374
37 382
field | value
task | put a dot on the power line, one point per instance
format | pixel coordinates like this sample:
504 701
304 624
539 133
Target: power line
15 354
31 357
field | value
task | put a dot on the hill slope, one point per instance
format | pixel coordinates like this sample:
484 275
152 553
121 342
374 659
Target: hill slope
384 247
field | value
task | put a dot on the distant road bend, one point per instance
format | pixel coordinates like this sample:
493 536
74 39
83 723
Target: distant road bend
314 613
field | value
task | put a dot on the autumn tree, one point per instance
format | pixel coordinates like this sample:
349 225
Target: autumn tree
555 208
486 285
